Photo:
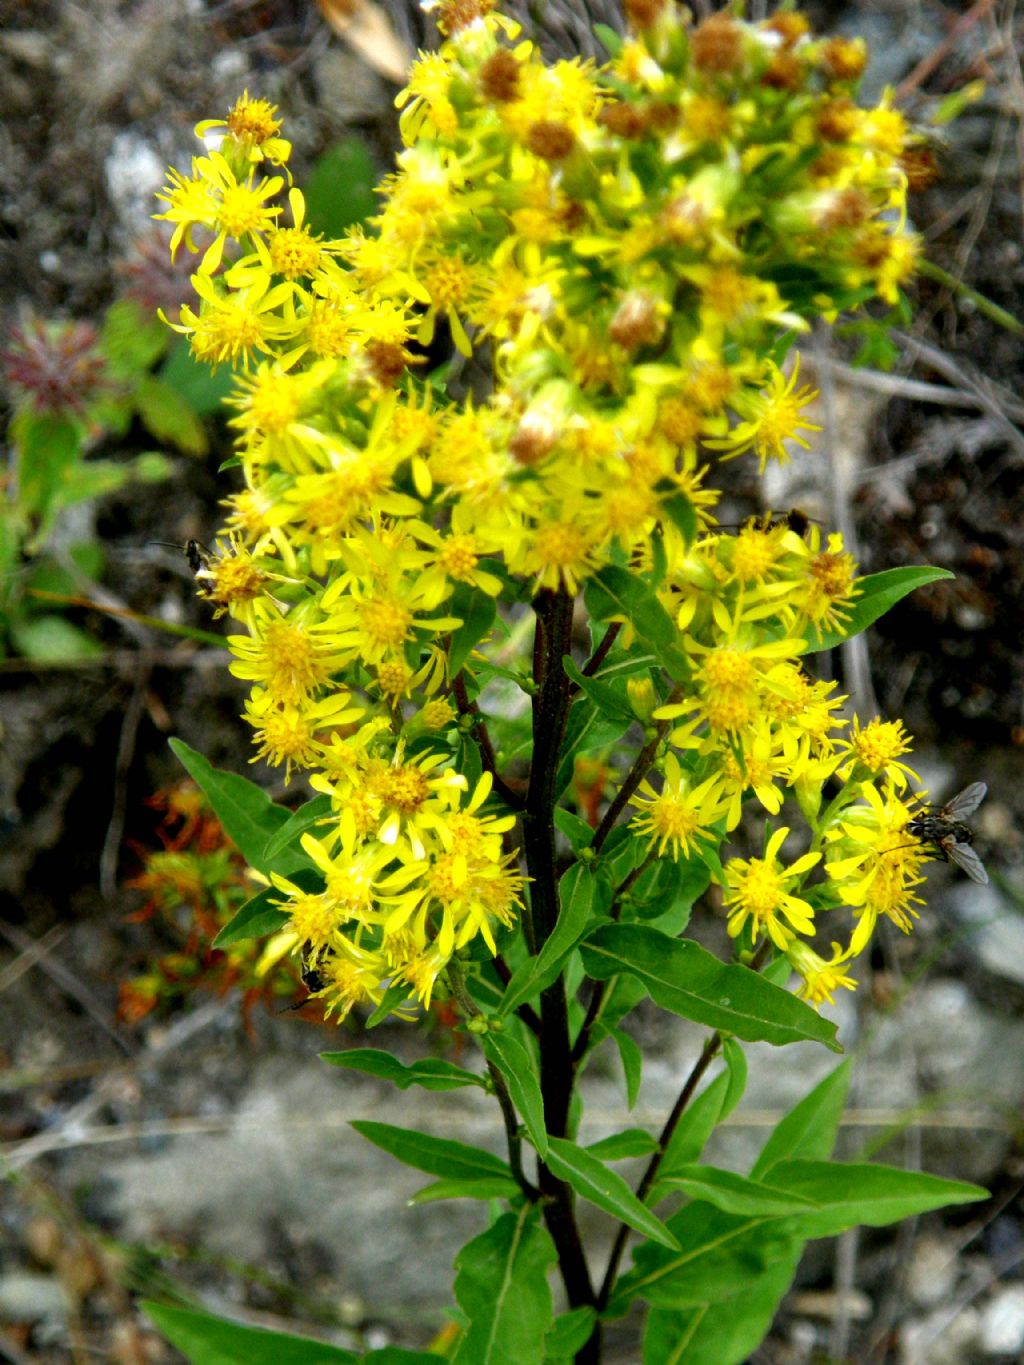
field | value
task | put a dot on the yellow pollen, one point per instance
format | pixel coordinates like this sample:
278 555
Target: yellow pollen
833 573
728 668
449 282
459 558
313 919
328 330
759 889
293 253
294 669
404 788
236 579
559 543
385 621
754 555
727 710
393 678
242 211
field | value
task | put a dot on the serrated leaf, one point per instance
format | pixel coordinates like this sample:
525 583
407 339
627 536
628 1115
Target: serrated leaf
879 593
684 978
301 820
854 1194
517 1067
502 1287
206 1340
809 1129
431 1073
437 1156
477 611
577 892
592 1180
249 817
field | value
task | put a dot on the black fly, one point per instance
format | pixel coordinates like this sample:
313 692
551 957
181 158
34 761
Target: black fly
197 555
314 981
946 831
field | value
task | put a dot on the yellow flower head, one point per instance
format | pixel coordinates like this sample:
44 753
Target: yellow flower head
757 894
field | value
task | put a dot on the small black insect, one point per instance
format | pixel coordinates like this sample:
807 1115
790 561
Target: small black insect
945 829
795 520
197 555
313 980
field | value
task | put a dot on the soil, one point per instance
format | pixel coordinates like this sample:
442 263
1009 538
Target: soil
134 1147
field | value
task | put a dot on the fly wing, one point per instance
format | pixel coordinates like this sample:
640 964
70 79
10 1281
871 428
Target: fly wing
965 857
965 803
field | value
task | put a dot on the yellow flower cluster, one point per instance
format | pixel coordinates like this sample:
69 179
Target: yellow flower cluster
624 246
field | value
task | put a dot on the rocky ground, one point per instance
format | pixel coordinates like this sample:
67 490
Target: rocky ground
207 1148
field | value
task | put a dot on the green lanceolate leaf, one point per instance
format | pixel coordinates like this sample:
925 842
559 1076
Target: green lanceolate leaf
398 1355
879 592
248 815
632 1058
682 977
301 820
431 1073
700 1118
608 699
256 918
517 1067
586 729
809 1129
339 188
496 1188
720 1253
591 1179
722 1333
502 1287
168 416
476 610
568 1334
615 592
734 1193
577 831
437 1156
578 890
851 1194
206 1340
631 1142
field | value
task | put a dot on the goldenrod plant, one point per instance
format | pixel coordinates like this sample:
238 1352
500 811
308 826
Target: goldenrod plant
549 708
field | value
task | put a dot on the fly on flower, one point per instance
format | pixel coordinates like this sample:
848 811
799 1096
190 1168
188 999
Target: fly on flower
945 829
196 554
312 978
